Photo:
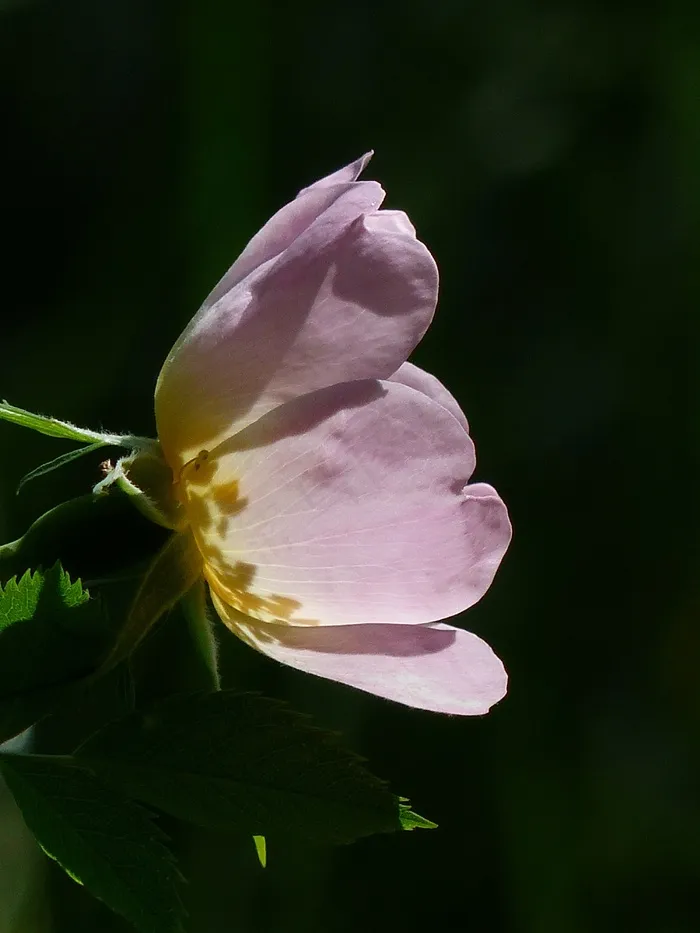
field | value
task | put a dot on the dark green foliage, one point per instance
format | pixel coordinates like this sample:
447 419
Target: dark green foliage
222 760
234 761
103 840
50 631
52 636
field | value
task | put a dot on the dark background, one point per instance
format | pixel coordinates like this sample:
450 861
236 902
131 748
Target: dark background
549 155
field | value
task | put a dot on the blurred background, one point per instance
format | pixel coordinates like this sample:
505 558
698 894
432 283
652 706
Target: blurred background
549 155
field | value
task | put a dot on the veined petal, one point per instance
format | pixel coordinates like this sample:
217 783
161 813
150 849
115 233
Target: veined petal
431 667
348 298
410 375
346 506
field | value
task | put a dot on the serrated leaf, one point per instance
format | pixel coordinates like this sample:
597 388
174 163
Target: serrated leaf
58 462
52 635
50 631
102 840
411 820
241 762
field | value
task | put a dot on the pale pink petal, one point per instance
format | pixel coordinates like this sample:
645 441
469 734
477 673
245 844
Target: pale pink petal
398 222
419 379
348 506
349 299
348 173
432 667
294 218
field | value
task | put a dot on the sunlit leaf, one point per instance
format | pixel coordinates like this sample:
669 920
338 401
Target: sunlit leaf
50 631
260 844
52 635
411 820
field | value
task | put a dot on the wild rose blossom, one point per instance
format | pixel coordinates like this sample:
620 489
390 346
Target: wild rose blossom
324 478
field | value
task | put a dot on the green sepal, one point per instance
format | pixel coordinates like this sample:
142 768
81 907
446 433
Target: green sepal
58 462
173 571
202 630
55 428
147 480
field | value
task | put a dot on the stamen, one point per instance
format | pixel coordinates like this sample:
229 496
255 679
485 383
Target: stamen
192 465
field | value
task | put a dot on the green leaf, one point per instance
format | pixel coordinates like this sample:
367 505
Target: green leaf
52 635
233 761
70 532
260 844
411 820
50 631
102 840
59 462
84 698
21 712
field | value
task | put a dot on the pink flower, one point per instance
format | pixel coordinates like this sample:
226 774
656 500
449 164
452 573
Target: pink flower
324 477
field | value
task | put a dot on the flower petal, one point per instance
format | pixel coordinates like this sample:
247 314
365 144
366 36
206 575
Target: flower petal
347 506
419 379
291 221
348 299
432 667
348 173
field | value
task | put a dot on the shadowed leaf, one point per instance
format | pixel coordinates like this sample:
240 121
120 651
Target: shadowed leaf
241 762
52 635
50 631
102 840
58 462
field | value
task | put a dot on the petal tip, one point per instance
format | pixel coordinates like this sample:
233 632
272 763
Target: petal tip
364 161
